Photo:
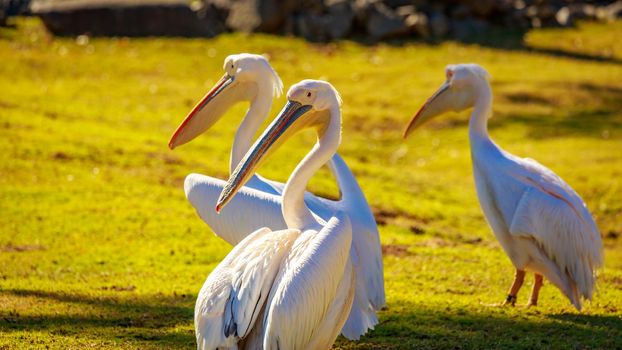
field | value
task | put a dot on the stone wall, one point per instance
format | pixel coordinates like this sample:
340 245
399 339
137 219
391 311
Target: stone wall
315 20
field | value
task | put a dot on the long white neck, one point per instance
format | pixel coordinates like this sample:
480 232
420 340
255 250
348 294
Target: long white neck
295 211
257 111
482 110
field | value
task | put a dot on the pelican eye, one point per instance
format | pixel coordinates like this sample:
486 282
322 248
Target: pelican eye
309 94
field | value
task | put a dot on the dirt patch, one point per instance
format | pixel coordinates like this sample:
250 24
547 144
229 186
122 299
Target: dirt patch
521 97
412 222
436 242
399 250
119 288
612 235
22 248
416 229
61 156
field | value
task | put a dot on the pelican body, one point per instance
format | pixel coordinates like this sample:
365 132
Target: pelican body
250 78
539 220
291 288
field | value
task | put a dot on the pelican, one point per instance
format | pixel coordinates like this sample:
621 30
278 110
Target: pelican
540 221
291 288
250 78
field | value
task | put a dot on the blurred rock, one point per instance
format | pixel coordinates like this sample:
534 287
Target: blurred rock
460 11
336 23
383 23
339 19
405 11
563 17
439 25
125 18
10 8
468 27
481 8
418 24
610 12
316 20
258 15
311 27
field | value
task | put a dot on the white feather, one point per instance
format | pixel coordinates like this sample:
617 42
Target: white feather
234 294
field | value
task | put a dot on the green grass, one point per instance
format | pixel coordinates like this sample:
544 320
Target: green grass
99 248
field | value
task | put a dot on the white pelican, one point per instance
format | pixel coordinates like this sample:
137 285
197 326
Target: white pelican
292 288
542 224
251 78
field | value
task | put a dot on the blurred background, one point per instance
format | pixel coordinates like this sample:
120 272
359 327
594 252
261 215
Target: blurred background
99 247
315 20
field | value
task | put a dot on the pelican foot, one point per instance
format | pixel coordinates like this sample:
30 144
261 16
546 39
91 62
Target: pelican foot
510 300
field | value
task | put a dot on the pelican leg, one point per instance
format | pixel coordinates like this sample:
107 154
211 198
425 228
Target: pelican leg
519 277
535 291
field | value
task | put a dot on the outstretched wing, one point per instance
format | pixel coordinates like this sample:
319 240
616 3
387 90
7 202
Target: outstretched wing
235 292
554 215
306 287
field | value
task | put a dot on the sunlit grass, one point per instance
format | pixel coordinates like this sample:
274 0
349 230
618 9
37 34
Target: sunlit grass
98 246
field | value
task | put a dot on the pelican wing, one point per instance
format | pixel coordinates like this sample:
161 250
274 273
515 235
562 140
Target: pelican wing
234 293
365 235
554 215
259 208
306 287
263 209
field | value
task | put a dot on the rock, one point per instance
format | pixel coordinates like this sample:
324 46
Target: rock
563 17
517 20
9 8
361 8
125 18
439 25
610 12
396 3
481 8
316 7
311 27
335 24
405 11
383 23
468 27
460 11
258 15
418 23
339 19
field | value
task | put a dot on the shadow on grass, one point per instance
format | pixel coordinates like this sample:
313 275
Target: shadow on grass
597 119
500 38
410 326
154 319
128 317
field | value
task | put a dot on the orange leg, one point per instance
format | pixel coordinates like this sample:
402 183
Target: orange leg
535 291
519 277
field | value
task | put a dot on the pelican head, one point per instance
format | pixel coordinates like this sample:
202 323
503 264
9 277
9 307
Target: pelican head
243 72
456 94
308 105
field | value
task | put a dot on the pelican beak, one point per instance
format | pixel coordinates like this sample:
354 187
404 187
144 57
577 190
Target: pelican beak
200 118
286 118
438 104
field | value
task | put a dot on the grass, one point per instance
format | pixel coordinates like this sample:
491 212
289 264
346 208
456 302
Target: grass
99 248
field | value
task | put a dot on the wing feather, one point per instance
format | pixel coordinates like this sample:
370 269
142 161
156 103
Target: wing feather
228 303
307 285
554 215
261 209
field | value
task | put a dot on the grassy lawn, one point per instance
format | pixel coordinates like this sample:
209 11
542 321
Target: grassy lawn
99 248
